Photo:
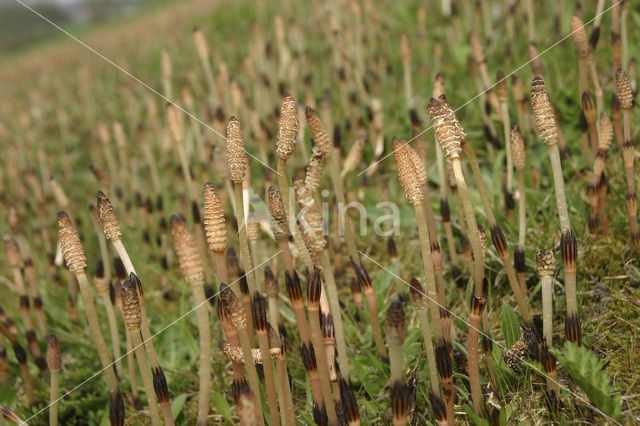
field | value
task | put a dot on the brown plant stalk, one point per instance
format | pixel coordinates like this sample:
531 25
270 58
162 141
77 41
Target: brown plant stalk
260 324
53 363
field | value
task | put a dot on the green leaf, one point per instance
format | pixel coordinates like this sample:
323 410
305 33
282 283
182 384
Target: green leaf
178 404
476 419
587 371
510 325
222 405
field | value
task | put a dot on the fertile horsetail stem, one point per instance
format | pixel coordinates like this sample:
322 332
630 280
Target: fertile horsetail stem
259 307
546 266
76 261
132 316
547 132
519 153
193 272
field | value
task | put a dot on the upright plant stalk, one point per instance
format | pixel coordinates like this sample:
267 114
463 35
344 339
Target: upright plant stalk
132 320
286 143
625 98
271 288
547 132
503 98
590 115
599 180
193 272
238 317
395 333
405 53
284 390
475 322
53 362
421 306
314 288
497 237
260 322
111 229
581 47
519 153
236 160
76 261
295 295
102 282
546 266
248 403
450 135
13 256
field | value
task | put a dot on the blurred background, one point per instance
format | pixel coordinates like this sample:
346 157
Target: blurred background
19 27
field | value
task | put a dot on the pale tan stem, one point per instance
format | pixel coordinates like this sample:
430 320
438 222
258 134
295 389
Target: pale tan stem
250 368
95 332
115 335
145 373
54 392
247 263
204 370
269 378
284 394
338 188
428 346
131 365
522 212
547 310
323 367
474 235
144 327
507 132
287 258
290 213
427 264
473 359
334 304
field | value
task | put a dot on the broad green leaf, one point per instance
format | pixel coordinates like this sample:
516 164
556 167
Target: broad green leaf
178 404
587 371
222 405
510 325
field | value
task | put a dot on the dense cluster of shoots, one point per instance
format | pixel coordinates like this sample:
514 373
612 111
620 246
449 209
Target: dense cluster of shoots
54 365
193 273
624 95
76 261
545 121
519 153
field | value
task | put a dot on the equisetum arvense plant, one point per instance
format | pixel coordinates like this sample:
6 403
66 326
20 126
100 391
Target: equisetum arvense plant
547 132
